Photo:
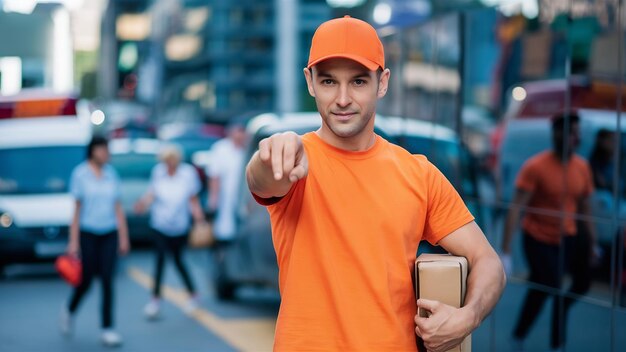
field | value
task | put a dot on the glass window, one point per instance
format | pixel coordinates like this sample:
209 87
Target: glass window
49 174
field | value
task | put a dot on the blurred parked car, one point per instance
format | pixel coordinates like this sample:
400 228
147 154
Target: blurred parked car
134 159
251 259
42 139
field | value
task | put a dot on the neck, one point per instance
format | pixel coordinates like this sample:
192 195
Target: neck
562 156
358 143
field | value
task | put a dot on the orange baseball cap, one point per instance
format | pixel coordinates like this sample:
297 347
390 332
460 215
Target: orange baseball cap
348 38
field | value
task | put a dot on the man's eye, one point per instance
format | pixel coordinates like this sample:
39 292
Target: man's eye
359 82
327 81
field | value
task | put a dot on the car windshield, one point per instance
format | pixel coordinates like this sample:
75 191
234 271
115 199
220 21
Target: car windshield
47 170
133 165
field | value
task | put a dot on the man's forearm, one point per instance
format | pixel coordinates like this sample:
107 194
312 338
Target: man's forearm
484 287
510 225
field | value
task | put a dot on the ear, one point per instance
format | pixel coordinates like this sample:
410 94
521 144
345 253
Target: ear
383 83
309 81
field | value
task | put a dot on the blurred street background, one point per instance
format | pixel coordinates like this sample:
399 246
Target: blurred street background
473 86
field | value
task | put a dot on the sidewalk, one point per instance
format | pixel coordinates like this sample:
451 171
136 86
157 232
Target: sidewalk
588 326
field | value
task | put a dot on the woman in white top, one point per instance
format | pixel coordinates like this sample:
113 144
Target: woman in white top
173 201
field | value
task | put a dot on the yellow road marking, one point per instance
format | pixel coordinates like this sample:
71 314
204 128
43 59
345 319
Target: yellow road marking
242 334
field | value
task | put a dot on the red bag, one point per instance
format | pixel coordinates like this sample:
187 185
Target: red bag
70 269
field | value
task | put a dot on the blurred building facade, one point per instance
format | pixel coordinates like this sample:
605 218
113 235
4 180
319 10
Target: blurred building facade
206 60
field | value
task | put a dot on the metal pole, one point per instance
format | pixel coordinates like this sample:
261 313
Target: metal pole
286 60
107 69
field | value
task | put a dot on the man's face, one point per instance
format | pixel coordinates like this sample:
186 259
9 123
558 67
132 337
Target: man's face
101 154
346 93
573 140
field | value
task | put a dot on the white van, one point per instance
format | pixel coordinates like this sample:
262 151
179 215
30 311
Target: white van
42 138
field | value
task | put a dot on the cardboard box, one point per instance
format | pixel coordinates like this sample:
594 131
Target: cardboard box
443 278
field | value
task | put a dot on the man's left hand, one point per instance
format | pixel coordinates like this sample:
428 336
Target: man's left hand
446 326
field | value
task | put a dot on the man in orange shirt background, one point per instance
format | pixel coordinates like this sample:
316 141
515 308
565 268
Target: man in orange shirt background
348 210
554 185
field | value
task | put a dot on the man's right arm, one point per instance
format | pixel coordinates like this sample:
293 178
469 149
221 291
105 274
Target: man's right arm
280 162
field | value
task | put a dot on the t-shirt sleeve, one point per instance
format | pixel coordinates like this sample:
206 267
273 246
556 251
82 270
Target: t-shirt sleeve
267 202
527 177
76 187
446 211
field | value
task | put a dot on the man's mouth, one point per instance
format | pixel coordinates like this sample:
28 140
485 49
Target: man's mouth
343 116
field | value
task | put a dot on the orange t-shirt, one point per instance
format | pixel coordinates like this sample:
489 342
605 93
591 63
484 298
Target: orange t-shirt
555 187
346 238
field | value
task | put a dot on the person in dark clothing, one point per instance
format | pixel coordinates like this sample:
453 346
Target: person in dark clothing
553 185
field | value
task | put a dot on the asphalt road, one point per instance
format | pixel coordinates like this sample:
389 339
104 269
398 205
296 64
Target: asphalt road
31 297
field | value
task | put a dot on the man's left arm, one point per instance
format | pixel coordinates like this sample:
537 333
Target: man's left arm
447 326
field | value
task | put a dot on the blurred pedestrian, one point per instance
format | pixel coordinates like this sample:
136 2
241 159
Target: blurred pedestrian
601 160
553 182
98 232
348 210
225 173
603 168
173 200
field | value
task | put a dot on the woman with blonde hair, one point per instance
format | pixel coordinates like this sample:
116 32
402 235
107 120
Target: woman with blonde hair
173 201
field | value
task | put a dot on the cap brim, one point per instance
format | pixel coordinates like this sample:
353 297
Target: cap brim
369 64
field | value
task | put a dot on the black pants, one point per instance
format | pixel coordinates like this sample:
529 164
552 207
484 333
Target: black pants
174 245
546 269
98 256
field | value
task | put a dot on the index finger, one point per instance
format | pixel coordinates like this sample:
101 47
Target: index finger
290 149
277 146
427 304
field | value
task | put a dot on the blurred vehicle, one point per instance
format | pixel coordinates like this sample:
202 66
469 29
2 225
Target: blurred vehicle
544 99
524 138
125 119
251 259
42 139
133 159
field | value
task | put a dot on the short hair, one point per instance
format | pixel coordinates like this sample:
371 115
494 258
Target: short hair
558 120
170 151
96 141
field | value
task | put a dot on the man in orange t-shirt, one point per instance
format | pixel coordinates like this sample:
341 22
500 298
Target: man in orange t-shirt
348 210
554 185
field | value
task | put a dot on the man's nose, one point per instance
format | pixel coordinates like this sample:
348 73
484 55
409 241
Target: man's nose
343 98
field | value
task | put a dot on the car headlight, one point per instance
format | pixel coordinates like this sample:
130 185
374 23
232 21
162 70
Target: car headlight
6 220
